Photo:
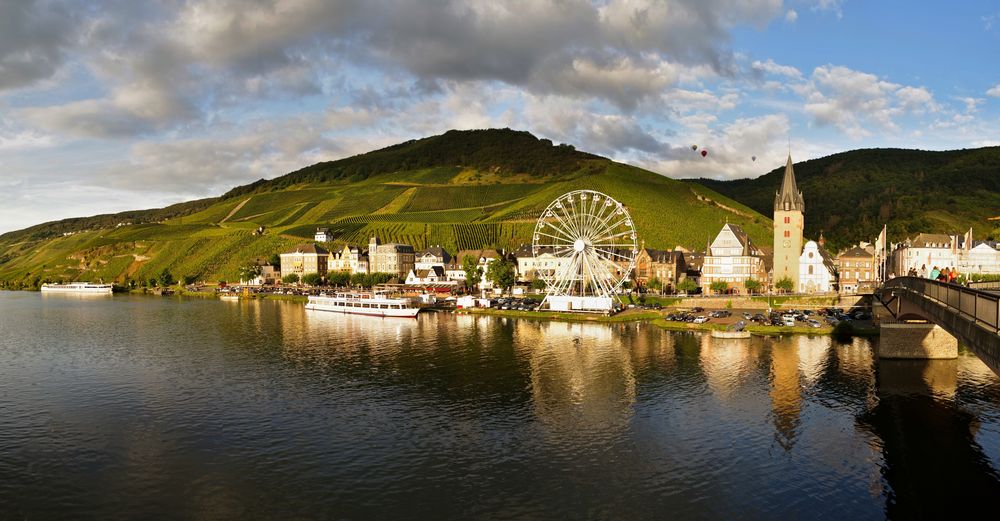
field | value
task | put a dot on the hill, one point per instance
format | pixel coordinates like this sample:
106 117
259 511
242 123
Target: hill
849 196
461 190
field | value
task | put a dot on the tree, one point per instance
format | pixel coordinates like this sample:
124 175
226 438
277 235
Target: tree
719 286
687 285
312 279
752 285
188 279
473 271
502 273
785 284
291 278
338 278
165 278
538 284
275 260
250 271
654 284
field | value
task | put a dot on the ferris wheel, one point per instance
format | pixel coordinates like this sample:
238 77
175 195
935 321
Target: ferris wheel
592 241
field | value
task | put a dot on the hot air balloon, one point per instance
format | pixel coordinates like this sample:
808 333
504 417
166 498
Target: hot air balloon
704 153
694 147
753 158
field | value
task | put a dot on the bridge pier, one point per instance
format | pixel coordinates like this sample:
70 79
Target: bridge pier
916 341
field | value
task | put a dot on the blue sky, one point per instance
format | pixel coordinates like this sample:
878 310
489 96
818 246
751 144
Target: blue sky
114 105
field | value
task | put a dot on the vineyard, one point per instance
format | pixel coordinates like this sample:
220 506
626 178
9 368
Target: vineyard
451 206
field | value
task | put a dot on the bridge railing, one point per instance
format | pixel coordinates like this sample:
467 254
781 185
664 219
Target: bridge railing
981 306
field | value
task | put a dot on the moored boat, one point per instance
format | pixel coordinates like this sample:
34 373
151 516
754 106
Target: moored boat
78 287
364 304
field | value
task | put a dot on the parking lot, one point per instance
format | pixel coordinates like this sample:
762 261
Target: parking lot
819 318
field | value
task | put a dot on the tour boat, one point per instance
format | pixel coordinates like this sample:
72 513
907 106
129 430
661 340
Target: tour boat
364 304
78 287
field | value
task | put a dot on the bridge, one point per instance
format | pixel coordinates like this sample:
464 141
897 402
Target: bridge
923 318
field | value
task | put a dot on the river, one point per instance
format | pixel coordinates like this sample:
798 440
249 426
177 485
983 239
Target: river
131 407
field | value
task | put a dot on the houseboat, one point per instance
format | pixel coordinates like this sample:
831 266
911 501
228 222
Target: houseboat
365 304
78 287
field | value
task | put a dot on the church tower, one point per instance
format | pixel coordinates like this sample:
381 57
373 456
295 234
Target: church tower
789 220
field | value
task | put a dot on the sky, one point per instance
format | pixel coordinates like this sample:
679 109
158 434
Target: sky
117 105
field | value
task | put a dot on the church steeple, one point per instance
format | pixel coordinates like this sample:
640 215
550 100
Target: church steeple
789 197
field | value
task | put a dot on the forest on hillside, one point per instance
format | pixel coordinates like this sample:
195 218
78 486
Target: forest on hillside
849 196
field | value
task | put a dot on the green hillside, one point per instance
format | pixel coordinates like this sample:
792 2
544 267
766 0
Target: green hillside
441 190
849 196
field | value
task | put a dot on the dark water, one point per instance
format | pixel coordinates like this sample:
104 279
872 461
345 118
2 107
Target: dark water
148 408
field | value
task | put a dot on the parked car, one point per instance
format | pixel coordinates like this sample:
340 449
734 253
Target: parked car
788 320
814 323
701 319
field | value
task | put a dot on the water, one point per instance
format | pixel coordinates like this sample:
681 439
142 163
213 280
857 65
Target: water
132 407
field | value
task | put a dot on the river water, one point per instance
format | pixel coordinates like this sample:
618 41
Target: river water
158 408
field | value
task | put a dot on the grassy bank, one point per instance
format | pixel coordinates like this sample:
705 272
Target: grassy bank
625 316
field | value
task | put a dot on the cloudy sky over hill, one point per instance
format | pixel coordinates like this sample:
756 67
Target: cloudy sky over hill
106 106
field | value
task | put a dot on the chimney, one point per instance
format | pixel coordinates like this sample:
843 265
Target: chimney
821 241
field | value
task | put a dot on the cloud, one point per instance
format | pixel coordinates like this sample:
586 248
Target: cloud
164 68
33 37
853 101
994 92
770 67
791 16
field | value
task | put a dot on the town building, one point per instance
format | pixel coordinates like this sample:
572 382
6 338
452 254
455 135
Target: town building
734 259
268 275
544 266
431 257
789 222
927 250
856 268
305 258
817 269
434 276
323 235
455 271
393 258
666 266
351 259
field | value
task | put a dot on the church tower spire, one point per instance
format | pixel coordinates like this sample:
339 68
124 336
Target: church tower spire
789 197
789 222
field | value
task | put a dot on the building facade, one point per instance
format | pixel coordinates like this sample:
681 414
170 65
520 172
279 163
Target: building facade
734 259
855 268
927 250
323 235
431 257
817 269
393 258
667 267
789 222
304 259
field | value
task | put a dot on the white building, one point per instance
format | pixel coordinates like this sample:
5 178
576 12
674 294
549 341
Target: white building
431 257
544 266
434 276
734 259
323 235
816 269
928 250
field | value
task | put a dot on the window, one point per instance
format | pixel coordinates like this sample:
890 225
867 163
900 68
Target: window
810 266
788 220
788 233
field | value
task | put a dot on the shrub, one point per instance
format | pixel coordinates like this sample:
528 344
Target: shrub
291 278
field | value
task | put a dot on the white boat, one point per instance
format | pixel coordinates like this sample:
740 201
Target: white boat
364 304
78 287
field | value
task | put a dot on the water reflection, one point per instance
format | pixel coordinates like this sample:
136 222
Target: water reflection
934 466
263 409
581 381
